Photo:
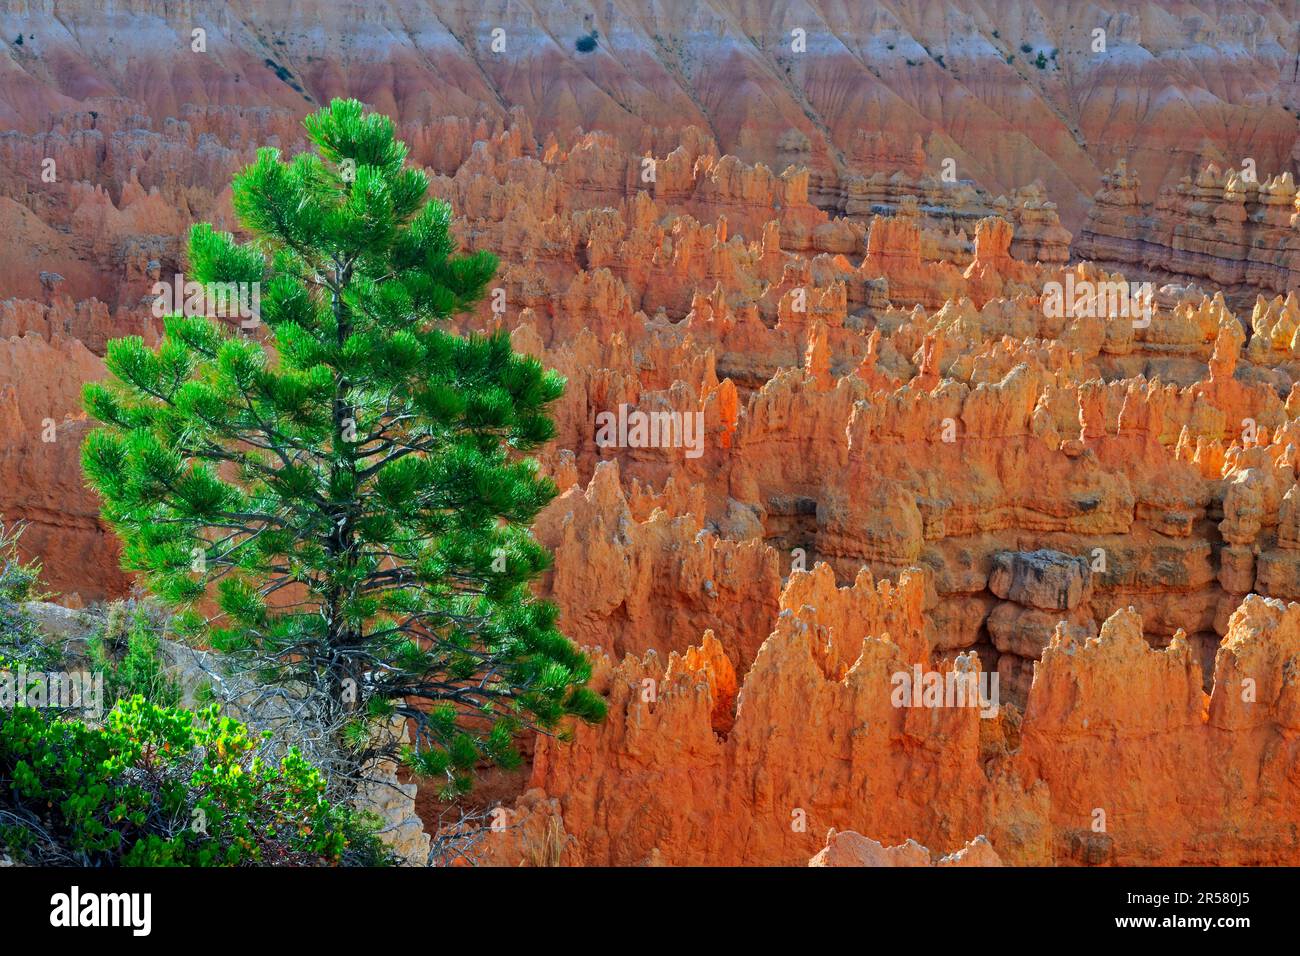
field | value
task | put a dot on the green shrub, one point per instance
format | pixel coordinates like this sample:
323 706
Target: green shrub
20 638
126 648
160 786
585 44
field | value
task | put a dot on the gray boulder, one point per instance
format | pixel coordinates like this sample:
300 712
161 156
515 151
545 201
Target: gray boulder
1044 579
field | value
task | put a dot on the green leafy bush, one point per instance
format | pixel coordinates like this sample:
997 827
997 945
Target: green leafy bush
19 583
161 786
127 649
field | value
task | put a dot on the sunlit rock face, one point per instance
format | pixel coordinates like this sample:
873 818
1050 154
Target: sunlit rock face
890 504
1233 229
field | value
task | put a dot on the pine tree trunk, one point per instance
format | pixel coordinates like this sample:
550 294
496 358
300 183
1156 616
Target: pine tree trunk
345 692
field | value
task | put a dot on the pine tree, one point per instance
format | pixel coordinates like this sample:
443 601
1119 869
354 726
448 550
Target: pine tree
349 486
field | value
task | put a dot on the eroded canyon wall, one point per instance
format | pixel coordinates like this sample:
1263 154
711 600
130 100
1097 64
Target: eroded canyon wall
878 449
